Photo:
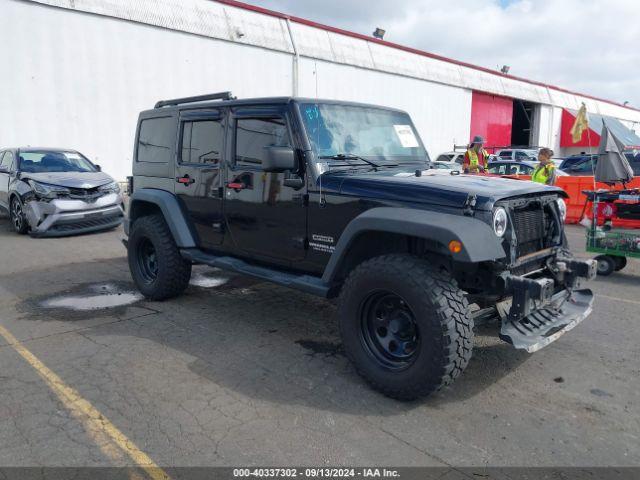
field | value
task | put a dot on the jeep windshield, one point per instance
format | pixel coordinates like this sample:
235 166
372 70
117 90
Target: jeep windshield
350 134
41 161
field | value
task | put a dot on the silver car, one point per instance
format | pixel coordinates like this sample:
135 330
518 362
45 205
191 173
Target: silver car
57 192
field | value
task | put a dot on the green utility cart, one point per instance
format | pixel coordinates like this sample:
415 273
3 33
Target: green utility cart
613 244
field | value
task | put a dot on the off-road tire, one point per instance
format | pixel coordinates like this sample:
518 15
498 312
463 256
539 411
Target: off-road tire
606 265
620 262
173 271
441 313
20 225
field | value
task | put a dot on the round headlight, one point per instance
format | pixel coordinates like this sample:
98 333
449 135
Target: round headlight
562 206
500 221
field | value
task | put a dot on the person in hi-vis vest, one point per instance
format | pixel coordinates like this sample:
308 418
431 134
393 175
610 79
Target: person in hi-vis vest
545 171
476 157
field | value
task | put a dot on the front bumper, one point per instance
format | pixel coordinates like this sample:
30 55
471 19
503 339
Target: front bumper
543 309
61 217
548 323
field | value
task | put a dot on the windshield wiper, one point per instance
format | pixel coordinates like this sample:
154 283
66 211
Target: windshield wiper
348 156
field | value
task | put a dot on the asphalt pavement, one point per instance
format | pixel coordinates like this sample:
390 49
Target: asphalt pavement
241 372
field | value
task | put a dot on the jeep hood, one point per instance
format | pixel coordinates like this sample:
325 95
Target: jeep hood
436 187
70 179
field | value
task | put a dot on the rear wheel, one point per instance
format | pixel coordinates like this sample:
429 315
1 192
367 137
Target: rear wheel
156 265
606 265
620 262
405 326
18 219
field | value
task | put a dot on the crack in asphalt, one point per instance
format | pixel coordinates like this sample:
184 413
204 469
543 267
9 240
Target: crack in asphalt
82 329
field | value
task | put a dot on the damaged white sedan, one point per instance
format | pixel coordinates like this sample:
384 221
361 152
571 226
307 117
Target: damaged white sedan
57 192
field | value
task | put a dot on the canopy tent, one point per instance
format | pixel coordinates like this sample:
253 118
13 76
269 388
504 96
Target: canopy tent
612 166
591 137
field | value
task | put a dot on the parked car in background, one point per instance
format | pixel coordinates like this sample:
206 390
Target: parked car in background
526 154
511 168
447 157
580 164
458 158
453 166
515 168
633 157
586 164
56 192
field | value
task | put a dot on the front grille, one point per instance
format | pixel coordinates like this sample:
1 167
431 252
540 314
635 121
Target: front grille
530 224
95 223
86 194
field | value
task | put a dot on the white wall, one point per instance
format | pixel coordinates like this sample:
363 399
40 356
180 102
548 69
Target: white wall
80 80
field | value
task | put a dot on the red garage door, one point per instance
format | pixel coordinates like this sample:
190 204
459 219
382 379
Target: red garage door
491 117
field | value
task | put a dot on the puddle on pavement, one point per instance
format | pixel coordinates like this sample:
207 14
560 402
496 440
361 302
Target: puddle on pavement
220 280
98 297
207 281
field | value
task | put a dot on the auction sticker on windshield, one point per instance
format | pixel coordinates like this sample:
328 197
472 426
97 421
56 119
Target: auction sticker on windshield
406 136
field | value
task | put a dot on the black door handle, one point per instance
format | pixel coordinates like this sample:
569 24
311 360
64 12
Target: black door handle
186 180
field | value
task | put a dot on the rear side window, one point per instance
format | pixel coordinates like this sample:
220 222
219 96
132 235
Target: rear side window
155 140
505 154
202 141
497 169
254 134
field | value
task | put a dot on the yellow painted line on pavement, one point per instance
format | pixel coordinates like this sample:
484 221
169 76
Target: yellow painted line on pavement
617 299
95 422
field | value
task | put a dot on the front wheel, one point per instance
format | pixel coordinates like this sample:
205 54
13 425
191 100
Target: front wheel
18 219
157 268
405 326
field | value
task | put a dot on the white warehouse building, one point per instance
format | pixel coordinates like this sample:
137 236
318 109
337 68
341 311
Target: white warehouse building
76 73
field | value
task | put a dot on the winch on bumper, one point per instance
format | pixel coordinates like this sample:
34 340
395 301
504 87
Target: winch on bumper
544 308
64 216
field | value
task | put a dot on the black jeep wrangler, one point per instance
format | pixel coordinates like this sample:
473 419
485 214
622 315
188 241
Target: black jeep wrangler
337 199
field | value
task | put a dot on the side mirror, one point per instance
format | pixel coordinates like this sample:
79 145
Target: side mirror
3 169
98 167
279 159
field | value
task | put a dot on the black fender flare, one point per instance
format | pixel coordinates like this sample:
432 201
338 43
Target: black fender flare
479 242
173 214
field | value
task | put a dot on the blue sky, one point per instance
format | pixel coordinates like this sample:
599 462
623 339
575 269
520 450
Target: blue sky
590 46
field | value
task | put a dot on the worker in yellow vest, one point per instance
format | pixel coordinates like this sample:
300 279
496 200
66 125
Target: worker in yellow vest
545 171
476 157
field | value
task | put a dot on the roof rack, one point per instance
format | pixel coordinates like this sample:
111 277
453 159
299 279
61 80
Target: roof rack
197 98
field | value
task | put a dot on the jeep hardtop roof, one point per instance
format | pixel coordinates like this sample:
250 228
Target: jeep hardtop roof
226 99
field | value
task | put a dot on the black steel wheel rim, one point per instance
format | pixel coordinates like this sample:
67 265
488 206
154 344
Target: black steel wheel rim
389 331
16 214
147 260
